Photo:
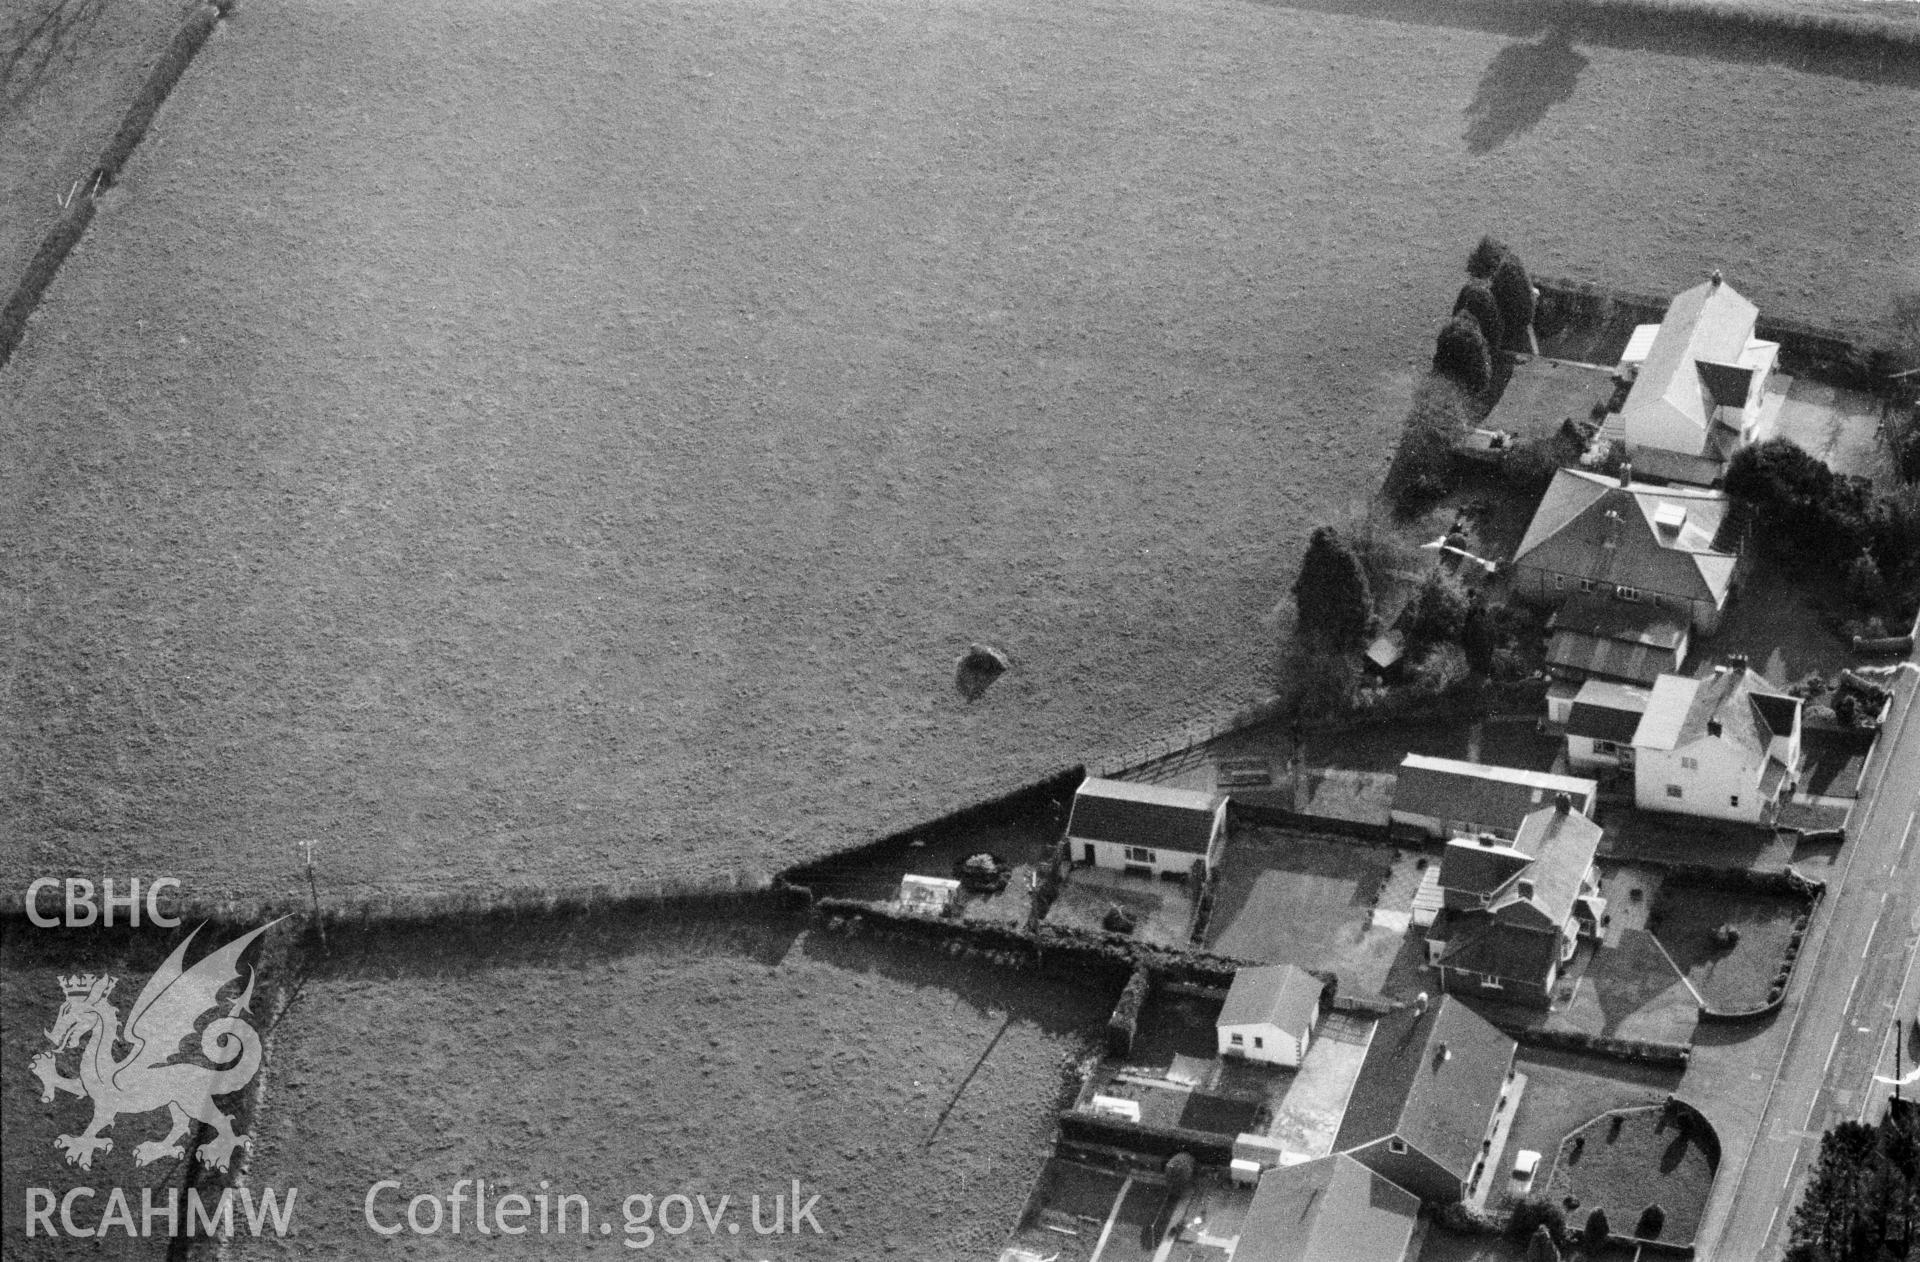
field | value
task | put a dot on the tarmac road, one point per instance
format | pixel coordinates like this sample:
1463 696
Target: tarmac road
1841 1031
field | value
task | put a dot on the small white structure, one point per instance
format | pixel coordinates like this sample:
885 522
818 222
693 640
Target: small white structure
1115 1106
929 894
1146 829
1726 746
1270 1014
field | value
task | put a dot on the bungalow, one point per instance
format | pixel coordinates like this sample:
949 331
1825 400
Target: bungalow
1595 637
1145 828
1445 797
1513 914
1269 1014
1600 725
1671 547
1696 397
1435 1079
1725 746
1330 1209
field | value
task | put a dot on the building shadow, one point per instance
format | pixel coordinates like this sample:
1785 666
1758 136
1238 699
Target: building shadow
1523 82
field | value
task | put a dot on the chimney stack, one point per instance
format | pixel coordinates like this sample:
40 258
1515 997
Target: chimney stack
1420 1004
1737 661
1562 803
1524 887
1716 278
1626 473
1713 727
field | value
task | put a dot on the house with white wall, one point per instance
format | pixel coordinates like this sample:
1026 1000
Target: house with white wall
1146 829
1600 725
1724 746
1270 1014
1697 395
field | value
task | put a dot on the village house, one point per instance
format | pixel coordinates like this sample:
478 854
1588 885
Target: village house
1627 642
1601 720
1270 1014
1435 1080
1145 829
1513 913
1445 797
1724 746
1670 547
1331 1209
1699 379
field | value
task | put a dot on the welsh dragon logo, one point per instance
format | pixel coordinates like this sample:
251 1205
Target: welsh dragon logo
149 1076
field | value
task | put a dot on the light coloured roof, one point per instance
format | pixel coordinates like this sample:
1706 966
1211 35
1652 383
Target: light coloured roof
1279 995
1666 712
1612 696
1152 794
1640 345
1507 775
1710 324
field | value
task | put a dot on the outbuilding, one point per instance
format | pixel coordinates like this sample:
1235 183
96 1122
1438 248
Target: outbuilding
1270 1014
1147 829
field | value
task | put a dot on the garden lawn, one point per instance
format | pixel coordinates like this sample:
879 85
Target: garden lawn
728 1053
1734 979
519 445
1651 1162
1564 1091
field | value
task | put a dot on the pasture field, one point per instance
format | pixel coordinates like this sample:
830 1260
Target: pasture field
714 1053
519 445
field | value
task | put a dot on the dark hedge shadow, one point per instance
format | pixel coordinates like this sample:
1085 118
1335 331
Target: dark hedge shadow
1522 84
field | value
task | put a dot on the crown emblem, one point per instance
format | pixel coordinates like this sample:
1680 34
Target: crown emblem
81 984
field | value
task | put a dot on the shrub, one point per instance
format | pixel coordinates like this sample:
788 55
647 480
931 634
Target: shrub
1613 462
1513 290
1461 353
1487 257
1904 436
1540 1247
1726 937
1332 595
1533 1214
1476 299
1180 1170
1422 469
1652 1219
1443 667
1530 465
1866 588
1598 1228
1117 920
1438 613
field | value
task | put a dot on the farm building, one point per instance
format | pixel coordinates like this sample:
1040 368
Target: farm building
1594 637
1270 1014
1513 913
1331 1209
1725 746
1145 828
1444 797
1600 725
1435 1079
1696 396
1672 547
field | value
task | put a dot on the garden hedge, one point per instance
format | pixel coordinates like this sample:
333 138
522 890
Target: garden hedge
1207 1148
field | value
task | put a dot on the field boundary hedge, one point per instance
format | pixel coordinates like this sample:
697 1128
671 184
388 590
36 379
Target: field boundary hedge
1158 1141
1639 1051
78 213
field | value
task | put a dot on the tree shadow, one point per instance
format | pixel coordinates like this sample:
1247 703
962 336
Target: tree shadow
1520 86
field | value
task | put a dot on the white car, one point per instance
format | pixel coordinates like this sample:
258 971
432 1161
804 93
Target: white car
1524 1168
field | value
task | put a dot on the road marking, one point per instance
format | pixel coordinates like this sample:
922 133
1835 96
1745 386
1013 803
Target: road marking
1812 1106
1770 1222
1830 1050
1850 990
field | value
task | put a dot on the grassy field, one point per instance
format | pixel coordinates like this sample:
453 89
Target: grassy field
68 69
515 446
679 1053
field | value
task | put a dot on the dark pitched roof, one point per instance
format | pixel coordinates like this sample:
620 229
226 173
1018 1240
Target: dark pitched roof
1479 865
1276 994
1482 942
1607 711
1588 526
1741 705
1621 620
1496 797
1332 1209
1437 1103
1129 814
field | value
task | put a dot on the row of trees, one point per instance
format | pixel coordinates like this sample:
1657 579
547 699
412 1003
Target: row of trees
1863 1204
1493 312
